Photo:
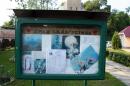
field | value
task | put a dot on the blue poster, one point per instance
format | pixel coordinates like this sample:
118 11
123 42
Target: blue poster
32 42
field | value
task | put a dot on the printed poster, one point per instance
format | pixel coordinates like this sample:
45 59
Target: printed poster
60 53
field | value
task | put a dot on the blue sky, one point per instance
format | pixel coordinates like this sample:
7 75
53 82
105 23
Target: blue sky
5 5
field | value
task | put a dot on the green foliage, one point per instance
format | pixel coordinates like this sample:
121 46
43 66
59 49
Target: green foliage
5 43
12 43
116 42
0 45
92 5
103 2
96 5
117 22
9 24
128 9
37 4
119 56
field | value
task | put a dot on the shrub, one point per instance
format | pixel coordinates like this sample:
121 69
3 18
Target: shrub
119 56
5 43
116 42
12 43
0 45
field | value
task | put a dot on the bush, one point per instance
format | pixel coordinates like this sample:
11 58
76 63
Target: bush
5 44
116 42
0 45
12 43
119 56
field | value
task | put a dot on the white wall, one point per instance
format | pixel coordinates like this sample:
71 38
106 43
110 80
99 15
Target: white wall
122 37
74 4
71 5
63 5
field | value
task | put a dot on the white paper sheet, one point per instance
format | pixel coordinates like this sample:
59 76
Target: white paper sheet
56 61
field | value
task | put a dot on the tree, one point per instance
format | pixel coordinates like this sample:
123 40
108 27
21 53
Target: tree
117 21
103 2
9 24
97 5
30 4
92 5
128 9
37 4
116 42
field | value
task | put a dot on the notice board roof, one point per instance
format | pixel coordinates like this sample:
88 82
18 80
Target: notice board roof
60 14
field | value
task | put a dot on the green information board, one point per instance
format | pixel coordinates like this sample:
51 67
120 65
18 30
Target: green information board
60 47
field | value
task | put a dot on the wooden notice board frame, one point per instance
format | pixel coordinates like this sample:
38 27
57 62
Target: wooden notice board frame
97 21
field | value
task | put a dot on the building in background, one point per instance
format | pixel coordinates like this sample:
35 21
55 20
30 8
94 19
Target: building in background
7 34
125 37
71 5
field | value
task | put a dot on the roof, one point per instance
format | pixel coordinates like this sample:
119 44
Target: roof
61 14
126 31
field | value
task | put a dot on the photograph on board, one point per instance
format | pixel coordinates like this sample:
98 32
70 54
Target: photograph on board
72 45
27 62
40 66
39 62
89 53
32 42
56 42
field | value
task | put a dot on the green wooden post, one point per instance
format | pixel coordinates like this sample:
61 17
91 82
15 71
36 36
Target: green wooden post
33 82
85 82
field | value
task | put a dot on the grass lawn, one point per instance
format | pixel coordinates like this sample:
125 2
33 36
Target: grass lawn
10 67
4 60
